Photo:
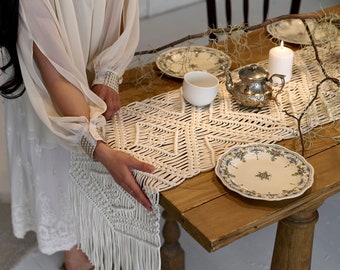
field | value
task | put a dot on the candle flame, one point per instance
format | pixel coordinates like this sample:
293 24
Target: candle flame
281 45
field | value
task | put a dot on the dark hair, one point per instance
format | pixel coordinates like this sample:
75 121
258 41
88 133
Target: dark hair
9 14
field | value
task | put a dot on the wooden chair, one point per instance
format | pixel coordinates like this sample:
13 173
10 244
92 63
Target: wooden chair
212 17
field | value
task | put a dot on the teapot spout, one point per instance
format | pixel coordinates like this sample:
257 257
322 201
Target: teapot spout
229 81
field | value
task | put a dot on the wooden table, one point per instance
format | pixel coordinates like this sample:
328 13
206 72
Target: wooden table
215 216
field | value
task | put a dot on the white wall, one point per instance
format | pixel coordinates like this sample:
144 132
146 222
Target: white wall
150 8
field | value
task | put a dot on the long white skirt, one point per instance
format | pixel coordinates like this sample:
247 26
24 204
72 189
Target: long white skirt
39 172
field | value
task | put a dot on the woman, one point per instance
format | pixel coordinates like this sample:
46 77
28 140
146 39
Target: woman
70 55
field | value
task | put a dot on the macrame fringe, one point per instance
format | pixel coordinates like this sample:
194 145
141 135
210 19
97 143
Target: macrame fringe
119 246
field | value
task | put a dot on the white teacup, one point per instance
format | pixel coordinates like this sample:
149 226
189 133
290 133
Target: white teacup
199 87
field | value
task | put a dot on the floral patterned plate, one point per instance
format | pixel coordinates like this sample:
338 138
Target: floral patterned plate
294 31
176 62
264 171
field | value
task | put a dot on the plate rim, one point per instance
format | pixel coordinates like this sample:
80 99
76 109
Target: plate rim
318 42
172 74
308 184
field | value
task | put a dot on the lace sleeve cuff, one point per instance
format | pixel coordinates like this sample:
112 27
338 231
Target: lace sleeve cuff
109 78
88 143
112 80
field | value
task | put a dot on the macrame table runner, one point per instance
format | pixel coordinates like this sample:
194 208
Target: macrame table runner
182 141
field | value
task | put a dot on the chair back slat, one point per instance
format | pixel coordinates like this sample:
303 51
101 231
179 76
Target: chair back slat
246 11
265 9
212 17
228 11
211 9
295 7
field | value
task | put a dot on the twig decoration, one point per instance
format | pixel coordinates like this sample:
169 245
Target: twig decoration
299 119
327 78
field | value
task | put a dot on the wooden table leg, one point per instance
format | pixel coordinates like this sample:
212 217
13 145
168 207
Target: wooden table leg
294 241
172 254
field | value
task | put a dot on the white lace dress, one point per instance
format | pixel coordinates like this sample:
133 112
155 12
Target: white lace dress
83 40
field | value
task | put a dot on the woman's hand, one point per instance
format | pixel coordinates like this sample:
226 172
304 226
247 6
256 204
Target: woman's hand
120 166
111 98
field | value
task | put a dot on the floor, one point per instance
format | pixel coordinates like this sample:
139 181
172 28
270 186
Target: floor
254 251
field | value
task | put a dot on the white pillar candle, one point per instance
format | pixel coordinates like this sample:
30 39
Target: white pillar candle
281 62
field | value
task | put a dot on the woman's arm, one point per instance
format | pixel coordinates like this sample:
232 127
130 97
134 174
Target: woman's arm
69 101
59 88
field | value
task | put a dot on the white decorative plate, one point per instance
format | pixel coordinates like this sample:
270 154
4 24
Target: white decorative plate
264 171
176 62
294 31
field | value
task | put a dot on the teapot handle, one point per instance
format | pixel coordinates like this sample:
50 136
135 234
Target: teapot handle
280 76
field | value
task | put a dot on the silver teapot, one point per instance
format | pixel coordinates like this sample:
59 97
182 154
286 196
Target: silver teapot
254 88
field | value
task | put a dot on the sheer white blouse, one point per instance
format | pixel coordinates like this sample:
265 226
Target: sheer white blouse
83 40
